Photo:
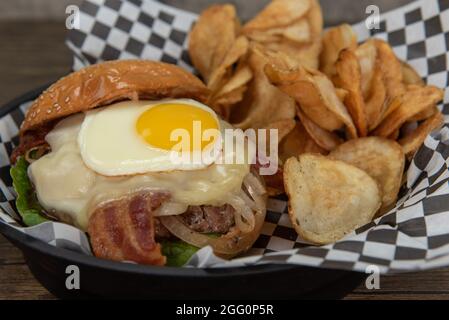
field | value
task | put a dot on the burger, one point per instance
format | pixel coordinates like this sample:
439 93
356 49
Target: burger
95 152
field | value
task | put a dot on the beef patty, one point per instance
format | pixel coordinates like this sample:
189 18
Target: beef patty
203 219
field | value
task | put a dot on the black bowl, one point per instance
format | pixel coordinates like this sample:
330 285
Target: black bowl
102 278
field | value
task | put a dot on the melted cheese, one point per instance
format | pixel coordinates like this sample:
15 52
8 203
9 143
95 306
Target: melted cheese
68 189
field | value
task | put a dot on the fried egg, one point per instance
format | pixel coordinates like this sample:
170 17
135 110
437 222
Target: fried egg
135 137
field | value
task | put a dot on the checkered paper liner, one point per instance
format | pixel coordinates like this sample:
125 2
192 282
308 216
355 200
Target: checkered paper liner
412 236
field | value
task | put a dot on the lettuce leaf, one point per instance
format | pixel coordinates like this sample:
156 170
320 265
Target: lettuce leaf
27 204
177 252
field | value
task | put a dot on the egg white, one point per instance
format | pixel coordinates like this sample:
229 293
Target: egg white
110 145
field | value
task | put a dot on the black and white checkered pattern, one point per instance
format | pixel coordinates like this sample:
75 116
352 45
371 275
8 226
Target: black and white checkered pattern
115 29
413 236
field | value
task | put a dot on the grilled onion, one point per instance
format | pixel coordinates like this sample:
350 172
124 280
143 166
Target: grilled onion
241 237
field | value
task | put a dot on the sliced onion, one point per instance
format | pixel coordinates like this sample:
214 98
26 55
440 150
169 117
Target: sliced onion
243 215
170 209
249 202
36 153
252 182
180 230
255 189
235 241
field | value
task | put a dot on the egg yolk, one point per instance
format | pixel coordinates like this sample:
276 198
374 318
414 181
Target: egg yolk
156 125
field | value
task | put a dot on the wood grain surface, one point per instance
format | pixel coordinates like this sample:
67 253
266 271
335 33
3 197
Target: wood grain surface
333 10
33 53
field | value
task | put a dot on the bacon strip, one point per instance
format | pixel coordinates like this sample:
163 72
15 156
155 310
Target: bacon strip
123 229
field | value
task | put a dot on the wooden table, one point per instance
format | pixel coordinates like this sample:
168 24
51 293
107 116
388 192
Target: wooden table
33 54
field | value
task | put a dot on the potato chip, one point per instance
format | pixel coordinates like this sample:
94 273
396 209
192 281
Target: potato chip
413 141
223 72
278 13
311 102
263 103
381 158
278 59
240 78
297 32
395 135
391 68
335 40
392 76
341 94
366 54
232 92
297 142
328 198
349 78
374 105
223 104
410 76
211 38
334 104
325 139
415 100
304 55
292 42
316 96
425 114
284 127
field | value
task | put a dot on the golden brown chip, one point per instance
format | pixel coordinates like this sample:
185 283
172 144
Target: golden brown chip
305 55
341 94
300 40
335 40
316 96
297 142
297 32
223 72
232 92
211 38
392 76
394 135
425 114
349 78
334 104
284 127
391 68
366 54
278 13
308 96
410 76
278 59
414 101
328 198
325 139
224 103
381 158
375 102
413 141
263 104
240 78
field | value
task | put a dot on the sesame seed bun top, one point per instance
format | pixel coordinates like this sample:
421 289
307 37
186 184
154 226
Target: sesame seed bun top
105 83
